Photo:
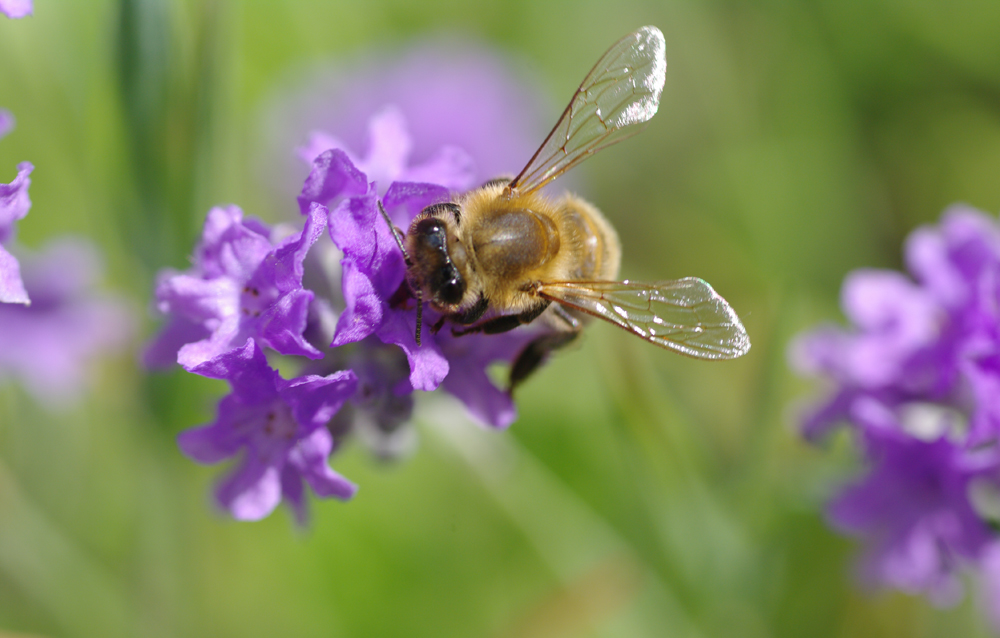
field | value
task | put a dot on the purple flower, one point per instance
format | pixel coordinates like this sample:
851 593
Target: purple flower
379 412
14 205
16 8
917 375
451 96
345 304
372 265
279 426
373 271
49 344
374 274
913 508
242 285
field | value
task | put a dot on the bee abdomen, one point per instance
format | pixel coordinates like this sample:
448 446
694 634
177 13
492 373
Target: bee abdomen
515 241
592 241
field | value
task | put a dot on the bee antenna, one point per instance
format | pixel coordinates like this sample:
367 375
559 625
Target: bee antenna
406 259
420 314
395 234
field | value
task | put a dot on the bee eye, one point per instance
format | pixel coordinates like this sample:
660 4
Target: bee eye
452 288
435 238
432 232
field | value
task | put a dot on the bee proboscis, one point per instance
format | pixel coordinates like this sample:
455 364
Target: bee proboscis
504 255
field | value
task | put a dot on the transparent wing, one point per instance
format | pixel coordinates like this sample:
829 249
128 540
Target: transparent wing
622 90
685 315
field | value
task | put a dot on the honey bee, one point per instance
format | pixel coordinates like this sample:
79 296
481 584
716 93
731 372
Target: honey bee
504 254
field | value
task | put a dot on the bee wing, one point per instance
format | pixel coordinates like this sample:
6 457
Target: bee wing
622 90
685 315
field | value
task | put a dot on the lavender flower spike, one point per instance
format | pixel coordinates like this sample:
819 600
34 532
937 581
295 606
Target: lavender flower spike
914 512
279 426
375 295
917 376
49 344
243 285
14 205
373 267
16 8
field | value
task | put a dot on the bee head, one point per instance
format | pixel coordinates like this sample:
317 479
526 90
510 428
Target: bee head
437 257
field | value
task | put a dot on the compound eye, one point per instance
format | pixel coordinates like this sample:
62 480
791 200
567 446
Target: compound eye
453 288
432 232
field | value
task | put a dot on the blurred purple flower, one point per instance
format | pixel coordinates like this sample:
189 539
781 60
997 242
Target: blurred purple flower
6 122
242 285
14 205
49 344
389 149
16 8
279 426
14 202
452 93
913 509
918 377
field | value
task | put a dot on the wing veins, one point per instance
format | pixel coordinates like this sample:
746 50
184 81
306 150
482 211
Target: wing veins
697 322
636 65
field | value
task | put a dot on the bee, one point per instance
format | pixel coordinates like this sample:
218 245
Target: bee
504 255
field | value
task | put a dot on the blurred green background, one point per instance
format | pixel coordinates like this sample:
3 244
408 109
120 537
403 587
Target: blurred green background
640 493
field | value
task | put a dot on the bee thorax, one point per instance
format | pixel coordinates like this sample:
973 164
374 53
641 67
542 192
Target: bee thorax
515 241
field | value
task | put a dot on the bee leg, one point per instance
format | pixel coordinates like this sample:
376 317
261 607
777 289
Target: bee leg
536 352
572 323
437 325
505 323
473 314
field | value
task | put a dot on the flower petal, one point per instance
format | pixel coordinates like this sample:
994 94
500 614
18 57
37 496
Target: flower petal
450 167
318 142
309 457
11 286
428 366
252 491
14 200
212 443
405 200
333 174
317 399
389 145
